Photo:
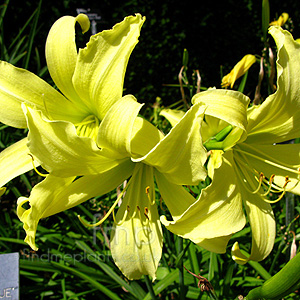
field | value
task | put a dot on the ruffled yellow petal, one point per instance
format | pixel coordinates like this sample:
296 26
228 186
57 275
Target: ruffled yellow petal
263 229
172 115
19 85
223 108
101 65
14 161
56 194
180 155
61 54
115 131
277 119
217 213
60 150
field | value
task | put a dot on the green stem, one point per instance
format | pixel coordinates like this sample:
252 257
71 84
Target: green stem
150 287
180 268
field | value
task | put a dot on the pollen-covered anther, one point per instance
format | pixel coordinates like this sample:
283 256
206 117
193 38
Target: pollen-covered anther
287 180
146 211
152 202
260 181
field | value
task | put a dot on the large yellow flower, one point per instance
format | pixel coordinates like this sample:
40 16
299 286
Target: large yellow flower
246 168
90 79
134 149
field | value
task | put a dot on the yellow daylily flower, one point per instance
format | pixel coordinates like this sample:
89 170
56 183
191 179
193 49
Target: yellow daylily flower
91 81
134 149
247 167
281 20
239 70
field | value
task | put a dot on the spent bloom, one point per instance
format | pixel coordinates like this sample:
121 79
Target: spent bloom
238 70
281 20
249 160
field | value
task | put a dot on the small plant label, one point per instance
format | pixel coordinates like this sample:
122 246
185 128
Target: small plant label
9 276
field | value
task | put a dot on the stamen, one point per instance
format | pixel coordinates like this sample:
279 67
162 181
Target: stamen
271 161
107 214
282 194
152 202
270 185
34 167
160 204
146 212
261 178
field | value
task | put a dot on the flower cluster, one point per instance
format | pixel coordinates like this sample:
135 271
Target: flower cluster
90 138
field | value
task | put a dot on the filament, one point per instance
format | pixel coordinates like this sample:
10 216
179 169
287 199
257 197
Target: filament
267 161
107 214
152 202
34 167
263 182
145 214
124 217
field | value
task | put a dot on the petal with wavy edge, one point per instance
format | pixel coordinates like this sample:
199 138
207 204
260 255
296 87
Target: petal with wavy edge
115 131
136 242
100 70
19 85
61 55
172 115
217 212
14 161
42 194
180 155
56 194
60 150
229 106
216 245
263 229
277 119
280 160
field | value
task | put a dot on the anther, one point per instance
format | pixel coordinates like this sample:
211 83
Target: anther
287 180
152 202
146 212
